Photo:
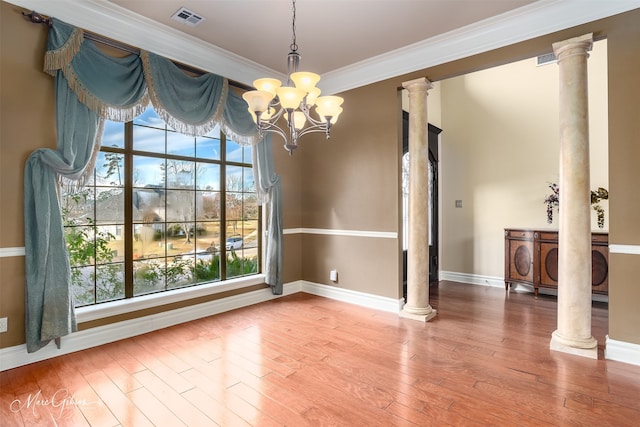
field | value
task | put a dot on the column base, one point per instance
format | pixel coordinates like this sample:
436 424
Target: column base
420 314
585 348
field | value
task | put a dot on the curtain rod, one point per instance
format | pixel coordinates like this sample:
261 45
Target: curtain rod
36 18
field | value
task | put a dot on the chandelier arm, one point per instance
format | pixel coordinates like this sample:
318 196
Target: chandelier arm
314 129
307 113
272 128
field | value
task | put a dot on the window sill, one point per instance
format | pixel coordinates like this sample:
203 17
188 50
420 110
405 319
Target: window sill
114 308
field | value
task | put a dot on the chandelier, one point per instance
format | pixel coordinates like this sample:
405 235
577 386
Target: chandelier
296 100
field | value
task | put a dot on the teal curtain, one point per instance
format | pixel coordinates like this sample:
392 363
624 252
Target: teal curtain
91 86
269 189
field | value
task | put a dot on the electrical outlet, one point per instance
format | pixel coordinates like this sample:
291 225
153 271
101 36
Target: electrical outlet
3 324
458 203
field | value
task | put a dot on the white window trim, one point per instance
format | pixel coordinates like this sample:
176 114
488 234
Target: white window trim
115 308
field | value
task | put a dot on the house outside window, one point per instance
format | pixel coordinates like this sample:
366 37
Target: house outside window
161 211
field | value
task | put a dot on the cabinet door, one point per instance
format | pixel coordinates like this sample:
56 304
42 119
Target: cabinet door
600 269
520 268
548 264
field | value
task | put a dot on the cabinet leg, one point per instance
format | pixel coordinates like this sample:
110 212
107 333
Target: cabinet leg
506 286
535 292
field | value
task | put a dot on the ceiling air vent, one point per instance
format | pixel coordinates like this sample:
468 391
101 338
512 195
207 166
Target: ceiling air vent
547 58
187 17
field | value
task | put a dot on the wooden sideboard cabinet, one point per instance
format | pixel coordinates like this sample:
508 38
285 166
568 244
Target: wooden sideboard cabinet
531 257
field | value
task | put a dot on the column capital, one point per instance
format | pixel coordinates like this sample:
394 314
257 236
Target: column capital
574 46
417 84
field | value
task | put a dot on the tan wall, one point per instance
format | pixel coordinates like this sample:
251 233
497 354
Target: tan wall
624 176
26 123
351 182
500 148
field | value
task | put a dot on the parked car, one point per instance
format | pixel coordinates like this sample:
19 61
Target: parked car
193 255
234 243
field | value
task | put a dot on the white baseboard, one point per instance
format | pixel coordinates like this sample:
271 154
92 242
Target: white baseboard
498 282
12 357
473 279
354 297
622 351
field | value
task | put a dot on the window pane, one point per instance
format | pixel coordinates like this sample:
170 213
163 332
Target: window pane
113 135
234 152
148 241
238 264
82 285
207 205
149 132
208 176
250 207
208 236
148 172
208 148
148 276
110 282
181 174
247 154
77 207
109 205
109 244
249 184
234 178
148 205
181 145
234 206
109 169
181 205
250 235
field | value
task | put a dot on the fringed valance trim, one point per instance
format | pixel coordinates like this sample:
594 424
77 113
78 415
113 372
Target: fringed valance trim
106 111
252 139
60 58
180 125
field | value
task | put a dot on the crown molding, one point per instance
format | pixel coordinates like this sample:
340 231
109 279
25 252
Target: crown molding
534 20
115 22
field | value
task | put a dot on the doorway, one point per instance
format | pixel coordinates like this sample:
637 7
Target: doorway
433 136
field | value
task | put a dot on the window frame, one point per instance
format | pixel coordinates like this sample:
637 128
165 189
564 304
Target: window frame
130 302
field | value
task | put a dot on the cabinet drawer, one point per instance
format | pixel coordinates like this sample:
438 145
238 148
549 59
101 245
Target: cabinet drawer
600 239
519 234
551 236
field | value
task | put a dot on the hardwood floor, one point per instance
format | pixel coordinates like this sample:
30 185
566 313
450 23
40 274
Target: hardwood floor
304 360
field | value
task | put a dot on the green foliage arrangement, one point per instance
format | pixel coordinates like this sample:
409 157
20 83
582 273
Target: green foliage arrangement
552 200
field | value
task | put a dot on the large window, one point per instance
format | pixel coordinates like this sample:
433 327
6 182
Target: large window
162 211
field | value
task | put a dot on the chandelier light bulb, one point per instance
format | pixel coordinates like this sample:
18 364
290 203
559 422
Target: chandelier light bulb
290 97
305 80
328 106
267 85
258 100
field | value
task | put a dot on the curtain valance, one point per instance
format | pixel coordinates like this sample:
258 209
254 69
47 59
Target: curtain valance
120 88
90 87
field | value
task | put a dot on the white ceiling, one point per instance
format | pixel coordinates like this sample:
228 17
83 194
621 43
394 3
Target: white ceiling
331 34
351 43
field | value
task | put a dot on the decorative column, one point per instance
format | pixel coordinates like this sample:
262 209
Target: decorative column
573 334
417 306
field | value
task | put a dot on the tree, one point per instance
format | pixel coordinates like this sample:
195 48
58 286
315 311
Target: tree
113 165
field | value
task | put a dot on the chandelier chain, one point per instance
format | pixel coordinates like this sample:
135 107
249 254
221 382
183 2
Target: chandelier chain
294 45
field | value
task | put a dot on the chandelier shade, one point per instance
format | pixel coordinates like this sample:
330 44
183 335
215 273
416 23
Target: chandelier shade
295 101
